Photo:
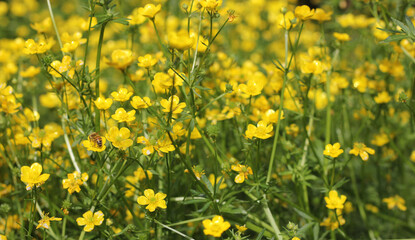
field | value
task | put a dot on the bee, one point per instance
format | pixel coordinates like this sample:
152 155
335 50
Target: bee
96 139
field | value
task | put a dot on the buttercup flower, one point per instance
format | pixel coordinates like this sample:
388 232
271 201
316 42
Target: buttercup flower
210 5
303 12
103 103
263 130
32 176
149 148
361 150
175 107
395 201
243 171
153 201
180 40
123 116
333 150
90 220
45 221
121 59
383 97
139 103
92 145
342 37
216 226
2 237
321 16
334 201
332 222
122 95
146 61
242 228
150 10
120 138
74 181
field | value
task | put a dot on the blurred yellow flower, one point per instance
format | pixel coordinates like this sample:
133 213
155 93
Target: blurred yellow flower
216 226
383 97
303 12
140 103
153 201
321 16
121 59
342 37
32 176
395 201
180 40
90 220
150 10
146 61
361 150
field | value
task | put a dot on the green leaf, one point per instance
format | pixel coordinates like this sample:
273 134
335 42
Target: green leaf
260 235
394 38
207 183
402 25
123 21
410 26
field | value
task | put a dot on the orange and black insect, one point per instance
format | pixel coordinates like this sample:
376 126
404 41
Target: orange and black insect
96 139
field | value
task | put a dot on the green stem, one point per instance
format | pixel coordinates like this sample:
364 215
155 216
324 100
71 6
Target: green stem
97 75
54 23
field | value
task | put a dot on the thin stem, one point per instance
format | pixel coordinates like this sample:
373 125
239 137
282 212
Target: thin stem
54 23
197 42
97 75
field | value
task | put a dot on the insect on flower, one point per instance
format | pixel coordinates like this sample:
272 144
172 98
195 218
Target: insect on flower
96 139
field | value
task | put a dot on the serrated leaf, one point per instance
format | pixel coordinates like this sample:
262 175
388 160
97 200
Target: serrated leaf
394 38
401 25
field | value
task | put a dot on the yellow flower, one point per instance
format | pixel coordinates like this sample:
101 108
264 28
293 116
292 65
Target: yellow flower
120 138
321 16
342 37
242 228
164 145
122 116
271 116
315 67
139 103
210 5
149 148
395 201
2 237
252 88
45 221
74 181
153 201
334 201
286 20
303 12
31 47
121 59
295 238
92 145
243 170
146 61
103 103
136 18
216 226
212 181
331 222
180 40
32 176
383 97
380 139
361 150
150 10
90 220
174 107
122 95
30 72
262 130
57 68
333 150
